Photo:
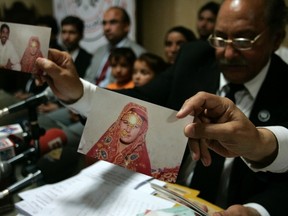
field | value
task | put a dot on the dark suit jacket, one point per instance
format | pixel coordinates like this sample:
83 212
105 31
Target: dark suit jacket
196 70
82 62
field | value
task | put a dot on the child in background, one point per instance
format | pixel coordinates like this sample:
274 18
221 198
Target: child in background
146 67
121 61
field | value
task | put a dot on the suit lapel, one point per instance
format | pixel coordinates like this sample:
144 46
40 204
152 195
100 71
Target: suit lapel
268 109
271 100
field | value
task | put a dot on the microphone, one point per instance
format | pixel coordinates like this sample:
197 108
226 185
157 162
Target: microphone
52 139
30 179
30 102
48 170
5 170
7 148
19 144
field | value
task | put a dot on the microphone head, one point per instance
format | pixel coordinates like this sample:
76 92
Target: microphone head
52 139
5 170
19 143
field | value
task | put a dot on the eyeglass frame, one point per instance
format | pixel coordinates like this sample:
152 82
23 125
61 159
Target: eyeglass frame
230 41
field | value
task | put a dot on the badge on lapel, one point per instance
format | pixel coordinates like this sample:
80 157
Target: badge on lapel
264 115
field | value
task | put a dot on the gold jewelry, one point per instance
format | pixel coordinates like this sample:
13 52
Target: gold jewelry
133 119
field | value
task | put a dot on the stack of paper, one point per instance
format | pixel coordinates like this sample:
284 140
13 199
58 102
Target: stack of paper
101 189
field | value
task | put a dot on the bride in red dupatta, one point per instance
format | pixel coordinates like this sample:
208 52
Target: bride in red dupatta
124 142
31 53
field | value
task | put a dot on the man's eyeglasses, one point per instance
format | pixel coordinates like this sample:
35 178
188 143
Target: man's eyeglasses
237 43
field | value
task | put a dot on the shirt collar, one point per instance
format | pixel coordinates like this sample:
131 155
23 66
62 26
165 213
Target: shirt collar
252 86
74 54
120 43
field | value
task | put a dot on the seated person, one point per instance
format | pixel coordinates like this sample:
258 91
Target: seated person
146 67
121 61
174 38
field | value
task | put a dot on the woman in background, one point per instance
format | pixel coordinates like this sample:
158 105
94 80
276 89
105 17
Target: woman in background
27 62
174 38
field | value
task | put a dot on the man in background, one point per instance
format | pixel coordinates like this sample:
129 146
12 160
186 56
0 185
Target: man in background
116 26
72 32
206 19
9 58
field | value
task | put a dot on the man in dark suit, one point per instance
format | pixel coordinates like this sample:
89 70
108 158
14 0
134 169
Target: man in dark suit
246 35
72 32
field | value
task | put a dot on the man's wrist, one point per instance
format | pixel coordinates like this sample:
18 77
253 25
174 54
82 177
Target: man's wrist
75 98
84 103
266 151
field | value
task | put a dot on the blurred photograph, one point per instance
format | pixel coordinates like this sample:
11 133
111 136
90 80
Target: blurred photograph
21 45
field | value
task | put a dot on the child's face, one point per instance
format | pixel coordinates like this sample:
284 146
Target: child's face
142 73
121 70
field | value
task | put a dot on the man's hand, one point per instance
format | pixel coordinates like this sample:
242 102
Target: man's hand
61 76
219 125
238 210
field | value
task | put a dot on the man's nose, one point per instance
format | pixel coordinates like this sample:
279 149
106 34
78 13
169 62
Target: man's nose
230 51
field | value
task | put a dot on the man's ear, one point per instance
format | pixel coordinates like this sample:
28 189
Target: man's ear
127 28
278 39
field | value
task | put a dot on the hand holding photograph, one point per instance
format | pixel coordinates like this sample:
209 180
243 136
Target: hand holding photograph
135 134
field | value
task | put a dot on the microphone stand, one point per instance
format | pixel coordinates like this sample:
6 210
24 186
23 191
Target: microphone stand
35 129
7 202
36 132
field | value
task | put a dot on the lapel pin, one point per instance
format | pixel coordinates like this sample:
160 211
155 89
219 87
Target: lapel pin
264 115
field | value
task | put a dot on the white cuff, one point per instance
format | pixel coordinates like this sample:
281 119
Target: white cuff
84 104
280 164
261 210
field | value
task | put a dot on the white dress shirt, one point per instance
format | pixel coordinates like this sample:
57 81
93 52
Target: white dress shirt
244 100
9 53
74 54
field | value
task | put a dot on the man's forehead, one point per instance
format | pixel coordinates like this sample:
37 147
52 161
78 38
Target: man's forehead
206 13
112 14
5 29
247 6
69 27
235 13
